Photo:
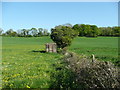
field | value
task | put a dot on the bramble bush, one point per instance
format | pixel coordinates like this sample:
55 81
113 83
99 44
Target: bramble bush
83 72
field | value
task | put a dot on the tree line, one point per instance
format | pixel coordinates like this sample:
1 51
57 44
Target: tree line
63 35
81 30
33 32
94 31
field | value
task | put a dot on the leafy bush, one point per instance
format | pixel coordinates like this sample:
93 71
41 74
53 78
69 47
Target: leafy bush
62 35
62 77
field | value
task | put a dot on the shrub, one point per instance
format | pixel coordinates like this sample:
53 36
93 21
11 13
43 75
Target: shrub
83 72
62 35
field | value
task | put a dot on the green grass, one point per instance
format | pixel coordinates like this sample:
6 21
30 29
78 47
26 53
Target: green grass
104 48
25 67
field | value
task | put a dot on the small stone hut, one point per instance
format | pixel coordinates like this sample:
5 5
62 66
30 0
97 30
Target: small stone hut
51 47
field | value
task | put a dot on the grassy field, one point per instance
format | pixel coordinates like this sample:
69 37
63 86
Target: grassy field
104 48
26 66
23 65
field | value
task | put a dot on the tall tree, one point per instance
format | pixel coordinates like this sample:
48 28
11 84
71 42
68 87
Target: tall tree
34 32
116 31
94 31
11 32
77 28
106 31
40 31
45 32
24 32
86 30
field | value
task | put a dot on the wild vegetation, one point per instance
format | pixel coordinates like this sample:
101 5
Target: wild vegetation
25 65
85 72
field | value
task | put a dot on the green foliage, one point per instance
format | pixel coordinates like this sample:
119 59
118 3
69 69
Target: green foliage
40 30
62 78
109 31
33 32
62 35
11 32
94 31
79 30
86 30
116 31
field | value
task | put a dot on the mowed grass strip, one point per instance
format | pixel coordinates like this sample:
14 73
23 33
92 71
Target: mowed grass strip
24 66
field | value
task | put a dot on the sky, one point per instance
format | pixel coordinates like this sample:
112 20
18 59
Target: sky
19 15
